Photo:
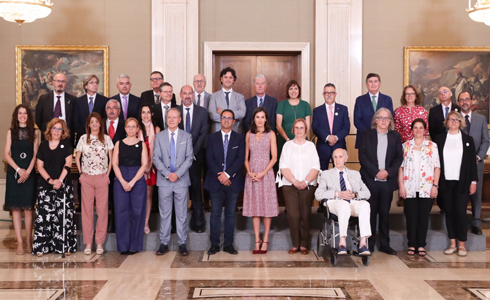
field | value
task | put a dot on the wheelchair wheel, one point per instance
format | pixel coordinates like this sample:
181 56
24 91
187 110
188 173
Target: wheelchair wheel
333 257
365 260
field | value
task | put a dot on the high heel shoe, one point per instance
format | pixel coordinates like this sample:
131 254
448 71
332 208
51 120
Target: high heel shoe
257 251
263 251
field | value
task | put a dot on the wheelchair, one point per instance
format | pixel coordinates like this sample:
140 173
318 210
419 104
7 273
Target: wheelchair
327 239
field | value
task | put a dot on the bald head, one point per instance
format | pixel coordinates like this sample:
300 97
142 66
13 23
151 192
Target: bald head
187 95
199 83
59 83
340 157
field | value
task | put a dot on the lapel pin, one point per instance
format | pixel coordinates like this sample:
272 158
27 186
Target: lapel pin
136 145
62 146
336 113
467 144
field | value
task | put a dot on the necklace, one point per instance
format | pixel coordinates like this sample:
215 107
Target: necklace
294 110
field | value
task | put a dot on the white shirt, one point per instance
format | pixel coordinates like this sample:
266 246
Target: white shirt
202 98
108 124
453 155
371 97
258 100
299 159
175 136
184 112
230 93
93 98
464 116
346 180
444 109
62 102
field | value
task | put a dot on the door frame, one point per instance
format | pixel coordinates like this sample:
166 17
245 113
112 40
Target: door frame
304 48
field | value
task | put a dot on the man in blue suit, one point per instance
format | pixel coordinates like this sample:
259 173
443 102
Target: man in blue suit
224 181
331 125
260 99
366 105
129 103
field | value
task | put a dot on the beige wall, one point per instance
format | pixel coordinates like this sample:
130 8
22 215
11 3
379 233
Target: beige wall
123 25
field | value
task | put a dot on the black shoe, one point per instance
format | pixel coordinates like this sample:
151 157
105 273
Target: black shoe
162 250
183 250
132 252
389 251
230 249
125 253
173 231
476 230
213 250
199 229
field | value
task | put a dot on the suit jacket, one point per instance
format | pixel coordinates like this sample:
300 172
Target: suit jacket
235 158
148 98
270 105
183 158
364 112
159 115
133 106
467 173
81 111
199 126
120 131
436 120
321 128
368 157
237 105
479 133
330 183
44 112
207 97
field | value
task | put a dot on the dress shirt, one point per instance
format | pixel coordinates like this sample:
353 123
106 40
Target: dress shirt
469 117
202 98
163 112
444 109
93 100
299 159
175 136
263 100
184 112
327 107
346 180
230 93
377 97
453 155
108 124
62 102
223 137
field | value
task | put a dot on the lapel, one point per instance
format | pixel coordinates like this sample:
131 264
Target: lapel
324 113
335 179
336 119
51 102
351 179
370 103
178 144
220 150
254 103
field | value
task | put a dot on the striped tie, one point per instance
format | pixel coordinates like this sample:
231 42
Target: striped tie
57 109
342 181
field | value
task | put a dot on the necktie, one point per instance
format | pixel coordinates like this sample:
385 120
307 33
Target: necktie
125 107
112 132
342 183
165 117
330 118
261 102
375 105
172 153
468 124
90 104
157 99
198 100
188 121
447 111
227 99
57 109
225 148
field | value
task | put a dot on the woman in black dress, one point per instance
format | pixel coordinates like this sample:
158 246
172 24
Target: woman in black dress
55 193
20 153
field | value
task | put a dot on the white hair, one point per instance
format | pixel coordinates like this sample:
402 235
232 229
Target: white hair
260 76
123 75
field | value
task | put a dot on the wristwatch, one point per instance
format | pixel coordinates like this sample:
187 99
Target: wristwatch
436 186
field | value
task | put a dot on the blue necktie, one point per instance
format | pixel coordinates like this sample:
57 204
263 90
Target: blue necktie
172 153
342 183
188 121
227 99
91 104
447 111
225 148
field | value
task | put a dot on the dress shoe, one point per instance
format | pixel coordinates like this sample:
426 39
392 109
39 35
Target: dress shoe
363 250
213 250
263 251
162 250
125 253
389 251
257 251
304 251
342 250
183 250
476 230
293 250
230 249
451 250
132 252
462 251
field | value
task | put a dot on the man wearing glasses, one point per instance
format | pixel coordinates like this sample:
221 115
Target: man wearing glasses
438 113
201 97
152 96
331 125
161 109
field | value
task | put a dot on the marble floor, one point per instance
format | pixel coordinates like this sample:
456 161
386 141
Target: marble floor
275 275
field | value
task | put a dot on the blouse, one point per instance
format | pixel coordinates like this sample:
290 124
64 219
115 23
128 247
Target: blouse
300 159
429 160
95 159
54 160
453 155
291 113
404 116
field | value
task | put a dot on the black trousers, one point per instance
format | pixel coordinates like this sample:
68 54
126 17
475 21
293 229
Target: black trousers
380 201
195 191
417 212
455 205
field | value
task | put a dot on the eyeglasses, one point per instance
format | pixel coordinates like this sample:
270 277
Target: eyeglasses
57 129
383 118
156 78
131 127
410 94
59 81
226 118
329 93
166 92
465 99
453 120
443 92
199 81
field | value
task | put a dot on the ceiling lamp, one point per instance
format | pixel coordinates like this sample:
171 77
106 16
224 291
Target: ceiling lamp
24 11
480 12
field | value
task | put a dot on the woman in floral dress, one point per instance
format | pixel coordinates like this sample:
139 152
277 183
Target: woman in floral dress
409 111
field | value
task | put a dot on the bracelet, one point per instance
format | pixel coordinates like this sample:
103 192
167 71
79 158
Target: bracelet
47 180
435 185
17 171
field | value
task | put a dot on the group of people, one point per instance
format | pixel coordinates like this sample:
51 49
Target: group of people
127 145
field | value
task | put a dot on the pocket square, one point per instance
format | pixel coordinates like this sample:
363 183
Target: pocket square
183 143
235 147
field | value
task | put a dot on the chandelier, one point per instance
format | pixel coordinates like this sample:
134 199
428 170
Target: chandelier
480 12
24 11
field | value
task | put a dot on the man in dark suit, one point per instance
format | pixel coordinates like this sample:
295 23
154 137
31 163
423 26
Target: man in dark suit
476 127
260 99
56 104
87 104
225 155
438 113
130 104
195 122
201 97
161 109
380 156
366 105
152 96
331 125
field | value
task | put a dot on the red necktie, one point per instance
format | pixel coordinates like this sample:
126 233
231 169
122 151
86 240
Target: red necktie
111 130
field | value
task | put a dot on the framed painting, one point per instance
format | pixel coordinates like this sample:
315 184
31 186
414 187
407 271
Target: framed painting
36 66
458 68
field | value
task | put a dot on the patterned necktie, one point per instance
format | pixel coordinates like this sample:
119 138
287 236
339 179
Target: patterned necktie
172 153
261 102
375 105
125 107
225 148
227 99
468 124
447 111
188 121
57 109
342 183
90 104
165 117
157 99
112 132
198 100
330 118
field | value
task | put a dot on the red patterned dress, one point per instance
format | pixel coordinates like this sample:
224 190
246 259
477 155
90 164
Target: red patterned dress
404 117
152 179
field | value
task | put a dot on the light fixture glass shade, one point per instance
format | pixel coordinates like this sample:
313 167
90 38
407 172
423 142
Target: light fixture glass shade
24 11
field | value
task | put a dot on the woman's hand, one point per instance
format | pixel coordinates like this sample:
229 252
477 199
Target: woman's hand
126 186
258 177
57 184
433 192
472 189
23 174
402 192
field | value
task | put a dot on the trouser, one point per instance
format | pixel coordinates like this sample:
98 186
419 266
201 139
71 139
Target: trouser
94 187
455 205
298 205
380 201
356 208
476 199
225 196
176 197
417 212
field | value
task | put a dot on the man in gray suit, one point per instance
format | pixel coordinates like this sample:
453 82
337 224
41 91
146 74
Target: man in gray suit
346 195
227 98
201 97
476 127
172 156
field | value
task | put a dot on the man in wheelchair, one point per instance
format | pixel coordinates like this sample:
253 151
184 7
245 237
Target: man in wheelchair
345 194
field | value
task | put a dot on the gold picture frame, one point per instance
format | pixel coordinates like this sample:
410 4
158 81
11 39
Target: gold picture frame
458 68
36 65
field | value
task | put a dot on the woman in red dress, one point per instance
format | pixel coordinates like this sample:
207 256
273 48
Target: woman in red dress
408 112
